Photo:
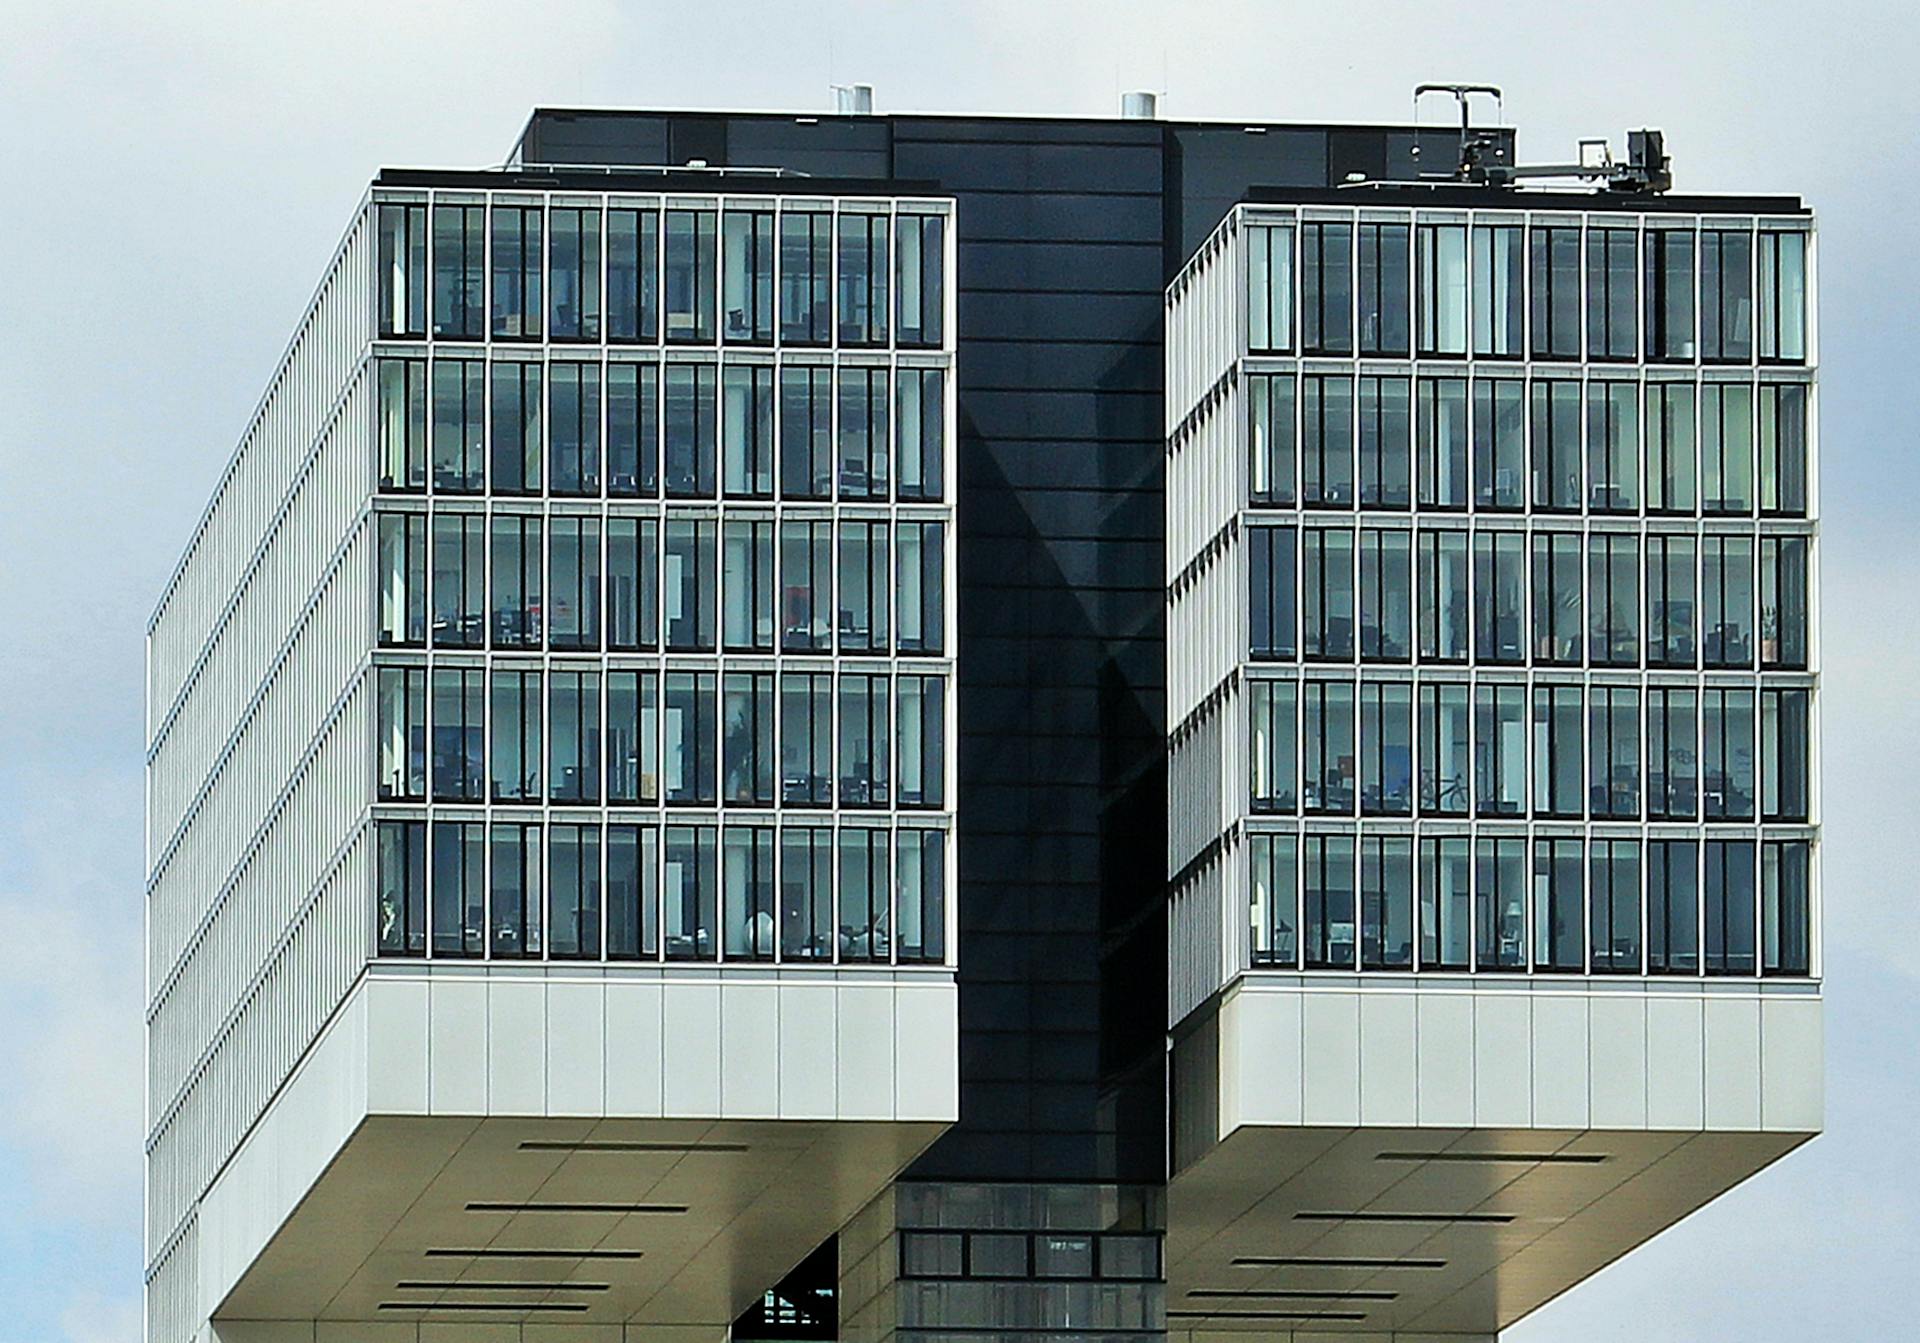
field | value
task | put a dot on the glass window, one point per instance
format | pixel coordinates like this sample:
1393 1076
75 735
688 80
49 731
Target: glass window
1559 939
1783 450
403 424
573 422
1386 903
1328 928
1554 263
1385 302
922 861
1444 757
1673 762
402 713
1670 295
633 430
1613 447
633 891
806 893
1615 906
633 584
1613 766
1270 288
1783 602
1783 297
459 272
1499 749
1499 596
864 932
459 580
1499 309
1726 448
690 397
1444 603
1670 601
401 863
746 296
1670 448
1557 632
746 891
690 279
1612 303
1613 603
1786 907
1273 587
1270 439
573 891
403 580
573 749
517 256
806 585
1445 901
573 265
1386 749
514 896
1386 430
920 241
1730 907
864 586
1726 583
1500 903
746 742
1326 288
1783 755
1673 907
1443 442
1442 254
863 433
747 417
1274 898
1499 444
1727 753
920 430
1328 758
574 598
923 741
1326 441
806 277
515 439
746 585
1275 744
688 583
1726 296
806 738
515 723
633 277
1558 741
633 737
459 729
402 258
689 889
1327 565
1556 446
922 582
864 749
1386 594
687 749
806 432
863 279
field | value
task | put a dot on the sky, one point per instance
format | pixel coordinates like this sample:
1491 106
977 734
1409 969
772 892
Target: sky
177 178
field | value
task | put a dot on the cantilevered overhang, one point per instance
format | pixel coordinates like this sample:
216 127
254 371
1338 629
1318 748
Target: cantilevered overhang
651 1149
1406 1158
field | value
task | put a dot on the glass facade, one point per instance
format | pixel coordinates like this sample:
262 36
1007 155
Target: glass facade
1527 660
664 528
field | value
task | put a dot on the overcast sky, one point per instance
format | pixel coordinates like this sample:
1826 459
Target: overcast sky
177 177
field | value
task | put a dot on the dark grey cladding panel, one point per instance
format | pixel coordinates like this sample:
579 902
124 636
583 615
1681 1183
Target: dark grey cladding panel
1212 166
1064 315
830 147
596 137
1098 134
1024 265
1039 168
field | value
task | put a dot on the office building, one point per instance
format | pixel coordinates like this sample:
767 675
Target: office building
857 726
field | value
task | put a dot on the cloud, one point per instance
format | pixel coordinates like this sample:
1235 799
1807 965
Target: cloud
93 1318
